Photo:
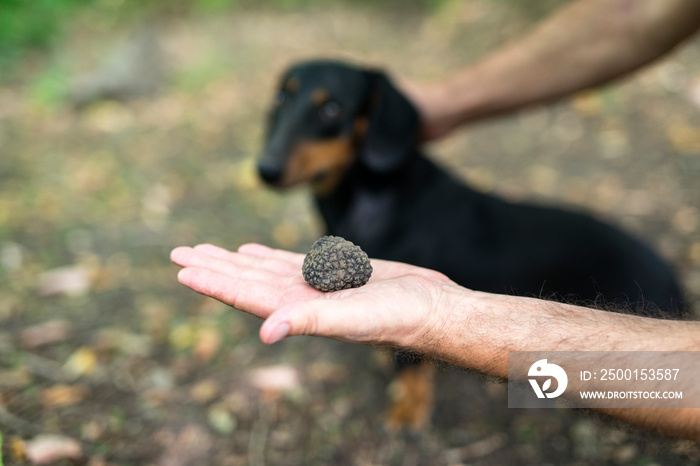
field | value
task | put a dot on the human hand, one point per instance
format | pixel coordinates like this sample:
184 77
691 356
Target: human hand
434 105
399 306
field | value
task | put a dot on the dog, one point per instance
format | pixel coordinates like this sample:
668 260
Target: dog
350 134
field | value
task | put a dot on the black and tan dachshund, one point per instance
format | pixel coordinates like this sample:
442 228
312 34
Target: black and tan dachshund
349 133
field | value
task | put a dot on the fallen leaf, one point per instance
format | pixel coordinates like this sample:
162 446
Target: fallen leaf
245 175
18 448
118 339
274 380
47 333
70 280
91 431
543 179
686 219
208 344
478 449
45 449
588 103
14 378
156 316
205 391
108 117
83 361
695 253
189 447
324 371
480 178
62 395
182 336
625 454
684 138
98 461
221 420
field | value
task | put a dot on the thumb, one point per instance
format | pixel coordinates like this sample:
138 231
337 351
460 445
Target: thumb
318 317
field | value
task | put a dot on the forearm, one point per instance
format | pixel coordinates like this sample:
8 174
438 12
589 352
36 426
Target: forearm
585 44
480 329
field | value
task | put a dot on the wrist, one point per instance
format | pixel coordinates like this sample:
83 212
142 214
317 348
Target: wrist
439 105
474 93
465 328
477 330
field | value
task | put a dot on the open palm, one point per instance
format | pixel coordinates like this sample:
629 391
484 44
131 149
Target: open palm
398 304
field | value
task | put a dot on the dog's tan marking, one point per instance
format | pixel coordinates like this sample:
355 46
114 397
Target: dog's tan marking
292 85
412 397
320 96
321 162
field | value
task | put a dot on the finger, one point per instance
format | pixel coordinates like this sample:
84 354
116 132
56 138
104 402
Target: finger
239 267
259 250
270 263
181 255
253 297
214 250
320 317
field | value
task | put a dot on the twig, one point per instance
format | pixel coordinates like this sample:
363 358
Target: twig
258 436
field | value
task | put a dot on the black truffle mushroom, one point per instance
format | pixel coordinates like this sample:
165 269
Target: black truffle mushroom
334 263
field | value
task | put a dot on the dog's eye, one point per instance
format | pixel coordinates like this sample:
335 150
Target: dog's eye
330 111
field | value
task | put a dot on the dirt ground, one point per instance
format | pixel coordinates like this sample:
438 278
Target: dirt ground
98 342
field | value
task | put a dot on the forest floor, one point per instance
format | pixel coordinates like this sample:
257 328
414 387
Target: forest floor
101 346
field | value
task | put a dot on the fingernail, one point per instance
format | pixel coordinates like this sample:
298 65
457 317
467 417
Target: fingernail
279 332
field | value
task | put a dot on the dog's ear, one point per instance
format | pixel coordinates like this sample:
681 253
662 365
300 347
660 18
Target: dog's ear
393 125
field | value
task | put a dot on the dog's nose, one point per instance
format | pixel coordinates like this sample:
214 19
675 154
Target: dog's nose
269 173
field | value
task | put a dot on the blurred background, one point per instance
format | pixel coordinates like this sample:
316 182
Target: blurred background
129 127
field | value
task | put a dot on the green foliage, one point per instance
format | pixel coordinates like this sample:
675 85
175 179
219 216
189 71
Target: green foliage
26 24
49 88
0 448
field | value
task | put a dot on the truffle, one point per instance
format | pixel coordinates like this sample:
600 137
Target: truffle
334 263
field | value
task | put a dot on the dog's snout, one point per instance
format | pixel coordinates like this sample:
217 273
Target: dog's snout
269 173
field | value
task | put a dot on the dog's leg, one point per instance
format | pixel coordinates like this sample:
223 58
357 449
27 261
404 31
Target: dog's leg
412 397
